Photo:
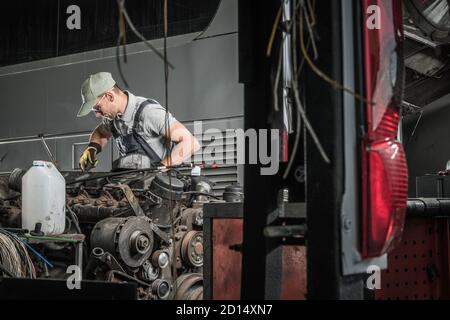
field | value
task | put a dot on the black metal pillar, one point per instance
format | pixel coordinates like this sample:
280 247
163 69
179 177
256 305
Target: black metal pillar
325 182
255 23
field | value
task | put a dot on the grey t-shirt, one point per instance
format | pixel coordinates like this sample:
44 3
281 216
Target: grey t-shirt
152 123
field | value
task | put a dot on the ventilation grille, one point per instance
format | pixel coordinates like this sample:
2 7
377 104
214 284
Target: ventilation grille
220 148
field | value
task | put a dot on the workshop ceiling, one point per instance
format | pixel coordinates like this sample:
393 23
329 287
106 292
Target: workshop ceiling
426 52
34 30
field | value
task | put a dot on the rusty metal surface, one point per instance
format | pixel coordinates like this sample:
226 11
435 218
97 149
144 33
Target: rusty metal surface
189 287
226 263
418 269
294 273
192 248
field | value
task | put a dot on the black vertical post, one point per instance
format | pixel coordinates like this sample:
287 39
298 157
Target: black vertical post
325 182
255 23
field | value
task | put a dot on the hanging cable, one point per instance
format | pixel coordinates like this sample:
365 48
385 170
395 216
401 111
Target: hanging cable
314 68
300 107
311 34
121 41
139 35
415 128
122 33
298 119
302 64
311 7
273 33
301 114
74 218
168 144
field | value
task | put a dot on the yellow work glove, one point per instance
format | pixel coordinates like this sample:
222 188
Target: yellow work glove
88 158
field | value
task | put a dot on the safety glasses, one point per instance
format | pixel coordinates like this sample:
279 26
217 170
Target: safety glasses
96 107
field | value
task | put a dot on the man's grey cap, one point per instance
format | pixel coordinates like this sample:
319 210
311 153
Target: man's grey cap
92 87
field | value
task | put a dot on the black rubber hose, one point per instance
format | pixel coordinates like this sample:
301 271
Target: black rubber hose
202 194
87 213
121 173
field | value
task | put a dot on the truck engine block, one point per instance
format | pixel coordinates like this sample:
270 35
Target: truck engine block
141 227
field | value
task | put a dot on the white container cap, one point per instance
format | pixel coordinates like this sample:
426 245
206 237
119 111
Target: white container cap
39 163
196 171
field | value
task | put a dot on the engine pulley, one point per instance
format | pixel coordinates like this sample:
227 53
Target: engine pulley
128 239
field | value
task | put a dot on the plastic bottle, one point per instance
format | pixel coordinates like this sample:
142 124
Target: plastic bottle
44 198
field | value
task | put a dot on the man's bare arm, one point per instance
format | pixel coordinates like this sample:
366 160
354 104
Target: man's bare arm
186 145
100 135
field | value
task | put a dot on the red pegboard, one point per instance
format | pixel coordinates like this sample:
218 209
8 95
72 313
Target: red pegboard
418 269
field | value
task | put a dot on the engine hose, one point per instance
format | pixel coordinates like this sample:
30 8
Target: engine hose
87 213
92 264
121 173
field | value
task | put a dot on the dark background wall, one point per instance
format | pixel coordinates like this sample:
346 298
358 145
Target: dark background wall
427 140
32 30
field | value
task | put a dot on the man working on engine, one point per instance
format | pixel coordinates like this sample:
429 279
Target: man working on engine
138 125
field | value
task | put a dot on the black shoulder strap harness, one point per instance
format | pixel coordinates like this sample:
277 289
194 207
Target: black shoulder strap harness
154 158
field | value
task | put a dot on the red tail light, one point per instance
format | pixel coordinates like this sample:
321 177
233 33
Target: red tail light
385 174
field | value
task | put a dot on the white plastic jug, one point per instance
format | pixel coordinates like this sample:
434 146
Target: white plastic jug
44 198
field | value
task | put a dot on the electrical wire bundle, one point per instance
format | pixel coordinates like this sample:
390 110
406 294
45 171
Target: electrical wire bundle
301 17
14 258
122 39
